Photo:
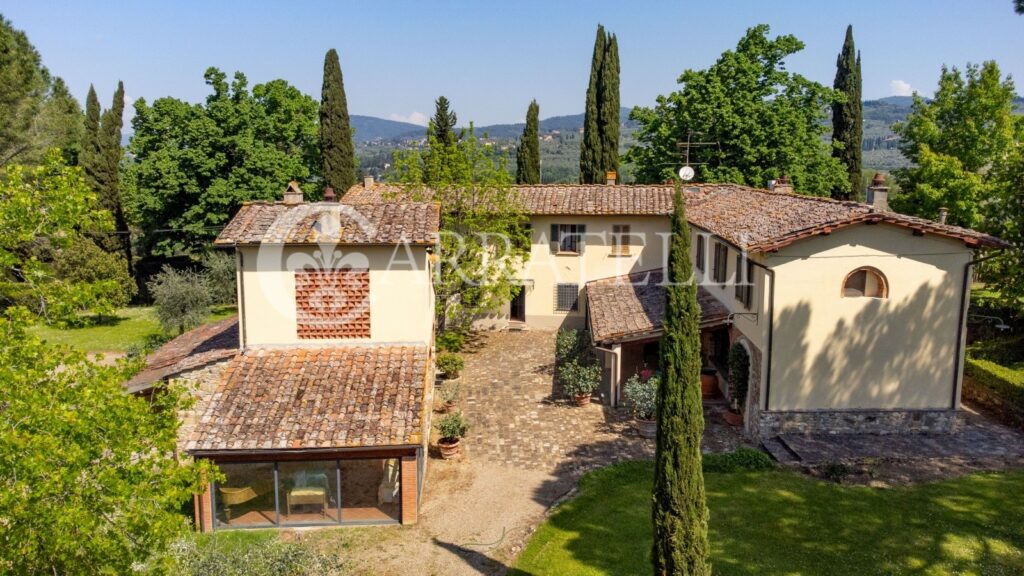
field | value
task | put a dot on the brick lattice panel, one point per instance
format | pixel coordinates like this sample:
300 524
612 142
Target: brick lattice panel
333 304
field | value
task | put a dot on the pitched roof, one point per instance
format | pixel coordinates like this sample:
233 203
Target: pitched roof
307 398
311 223
633 305
750 218
194 349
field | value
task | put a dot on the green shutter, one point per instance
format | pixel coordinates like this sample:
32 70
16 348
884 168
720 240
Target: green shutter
553 241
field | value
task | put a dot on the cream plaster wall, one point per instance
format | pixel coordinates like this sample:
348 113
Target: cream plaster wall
401 292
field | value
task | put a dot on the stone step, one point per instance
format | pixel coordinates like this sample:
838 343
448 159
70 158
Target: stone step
782 453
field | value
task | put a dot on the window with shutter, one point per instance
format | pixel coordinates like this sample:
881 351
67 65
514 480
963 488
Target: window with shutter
568 238
700 252
620 240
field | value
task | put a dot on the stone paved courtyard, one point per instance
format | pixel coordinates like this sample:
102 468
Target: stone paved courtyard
519 418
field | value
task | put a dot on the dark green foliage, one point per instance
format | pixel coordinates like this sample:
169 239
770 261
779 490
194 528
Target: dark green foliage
739 373
599 149
450 364
336 146
765 120
250 553
571 344
108 176
89 157
442 125
1018 6
743 459
182 299
848 117
679 510
452 427
450 341
219 273
528 154
579 377
83 262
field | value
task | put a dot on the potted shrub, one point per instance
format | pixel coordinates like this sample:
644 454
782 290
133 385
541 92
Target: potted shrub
641 396
450 364
452 428
449 396
580 380
739 375
708 382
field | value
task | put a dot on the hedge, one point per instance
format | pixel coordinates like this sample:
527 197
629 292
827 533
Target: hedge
995 380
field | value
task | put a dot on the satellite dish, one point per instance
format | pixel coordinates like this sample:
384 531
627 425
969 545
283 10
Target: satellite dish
686 173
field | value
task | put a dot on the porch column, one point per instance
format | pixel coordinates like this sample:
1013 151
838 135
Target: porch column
616 356
409 483
203 505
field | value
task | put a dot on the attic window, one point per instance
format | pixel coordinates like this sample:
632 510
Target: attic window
865 283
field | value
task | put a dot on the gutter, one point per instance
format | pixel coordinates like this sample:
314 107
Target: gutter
962 326
770 273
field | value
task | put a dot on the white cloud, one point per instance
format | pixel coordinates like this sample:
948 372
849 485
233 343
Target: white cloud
900 88
418 118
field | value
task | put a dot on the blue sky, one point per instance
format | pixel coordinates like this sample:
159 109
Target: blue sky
491 58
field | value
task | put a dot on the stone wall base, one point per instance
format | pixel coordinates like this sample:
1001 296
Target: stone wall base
773 423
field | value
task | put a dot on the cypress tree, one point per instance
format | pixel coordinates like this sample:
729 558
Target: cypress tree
91 147
848 117
443 123
337 151
108 178
608 95
679 510
528 155
591 156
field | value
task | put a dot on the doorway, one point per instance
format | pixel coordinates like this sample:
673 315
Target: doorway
517 307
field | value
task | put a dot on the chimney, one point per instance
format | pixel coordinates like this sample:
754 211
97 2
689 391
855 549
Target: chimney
329 194
783 185
367 181
611 176
293 194
878 193
943 214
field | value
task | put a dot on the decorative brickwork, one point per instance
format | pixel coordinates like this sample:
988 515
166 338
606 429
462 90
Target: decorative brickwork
331 304
409 505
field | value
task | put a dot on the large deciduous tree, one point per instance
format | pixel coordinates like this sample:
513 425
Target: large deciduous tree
764 120
848 117
336 146
599 147
194 164
679 510
954 140
528 154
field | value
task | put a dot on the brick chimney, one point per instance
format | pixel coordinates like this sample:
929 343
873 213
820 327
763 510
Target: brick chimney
367 182
943 214
293 194
611 176
783 184
329 194
878 193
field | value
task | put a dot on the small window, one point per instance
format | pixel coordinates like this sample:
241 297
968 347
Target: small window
865 283
744 281
567 238
700 252
721 264
567 297
620 240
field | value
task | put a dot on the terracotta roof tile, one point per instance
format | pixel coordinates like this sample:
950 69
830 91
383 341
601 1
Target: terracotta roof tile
306 398
194 349
634 305
311 223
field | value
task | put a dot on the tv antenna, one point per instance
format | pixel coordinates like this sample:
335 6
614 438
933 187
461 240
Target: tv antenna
686 173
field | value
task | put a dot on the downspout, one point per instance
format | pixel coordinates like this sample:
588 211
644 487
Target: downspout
613 401
964 301
770 273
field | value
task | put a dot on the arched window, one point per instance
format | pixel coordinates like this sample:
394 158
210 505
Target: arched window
865 283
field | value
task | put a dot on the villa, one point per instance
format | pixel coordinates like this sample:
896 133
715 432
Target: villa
316 401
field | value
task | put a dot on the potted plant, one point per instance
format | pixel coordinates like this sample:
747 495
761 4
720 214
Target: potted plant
739 375
580 380
449 396
641 397
452 428
450 364
708 382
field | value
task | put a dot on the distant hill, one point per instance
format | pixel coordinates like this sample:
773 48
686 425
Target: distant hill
570 123
369 129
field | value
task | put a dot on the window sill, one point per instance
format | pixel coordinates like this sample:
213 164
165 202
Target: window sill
567 253
626 255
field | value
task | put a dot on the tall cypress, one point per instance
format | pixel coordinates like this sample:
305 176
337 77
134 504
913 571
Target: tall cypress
108 178
848 117
336 148
528 155
443 122
679 510
89 157
591 156
608 95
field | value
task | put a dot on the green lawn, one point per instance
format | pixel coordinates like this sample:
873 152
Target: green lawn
130 326
780 522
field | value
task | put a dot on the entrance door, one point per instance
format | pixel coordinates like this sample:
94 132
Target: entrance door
517 308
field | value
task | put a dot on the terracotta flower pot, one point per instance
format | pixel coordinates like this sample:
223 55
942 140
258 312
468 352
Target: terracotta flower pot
708 385
647 428
582 399
733 418
449 450
449 407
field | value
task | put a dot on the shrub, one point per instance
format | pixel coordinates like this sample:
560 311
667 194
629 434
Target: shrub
739 373
571 345
642 395
182 298
205 555
452 427
219 272
451 341
449 392
579 379
836 472
1005 383
450 364
743 459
